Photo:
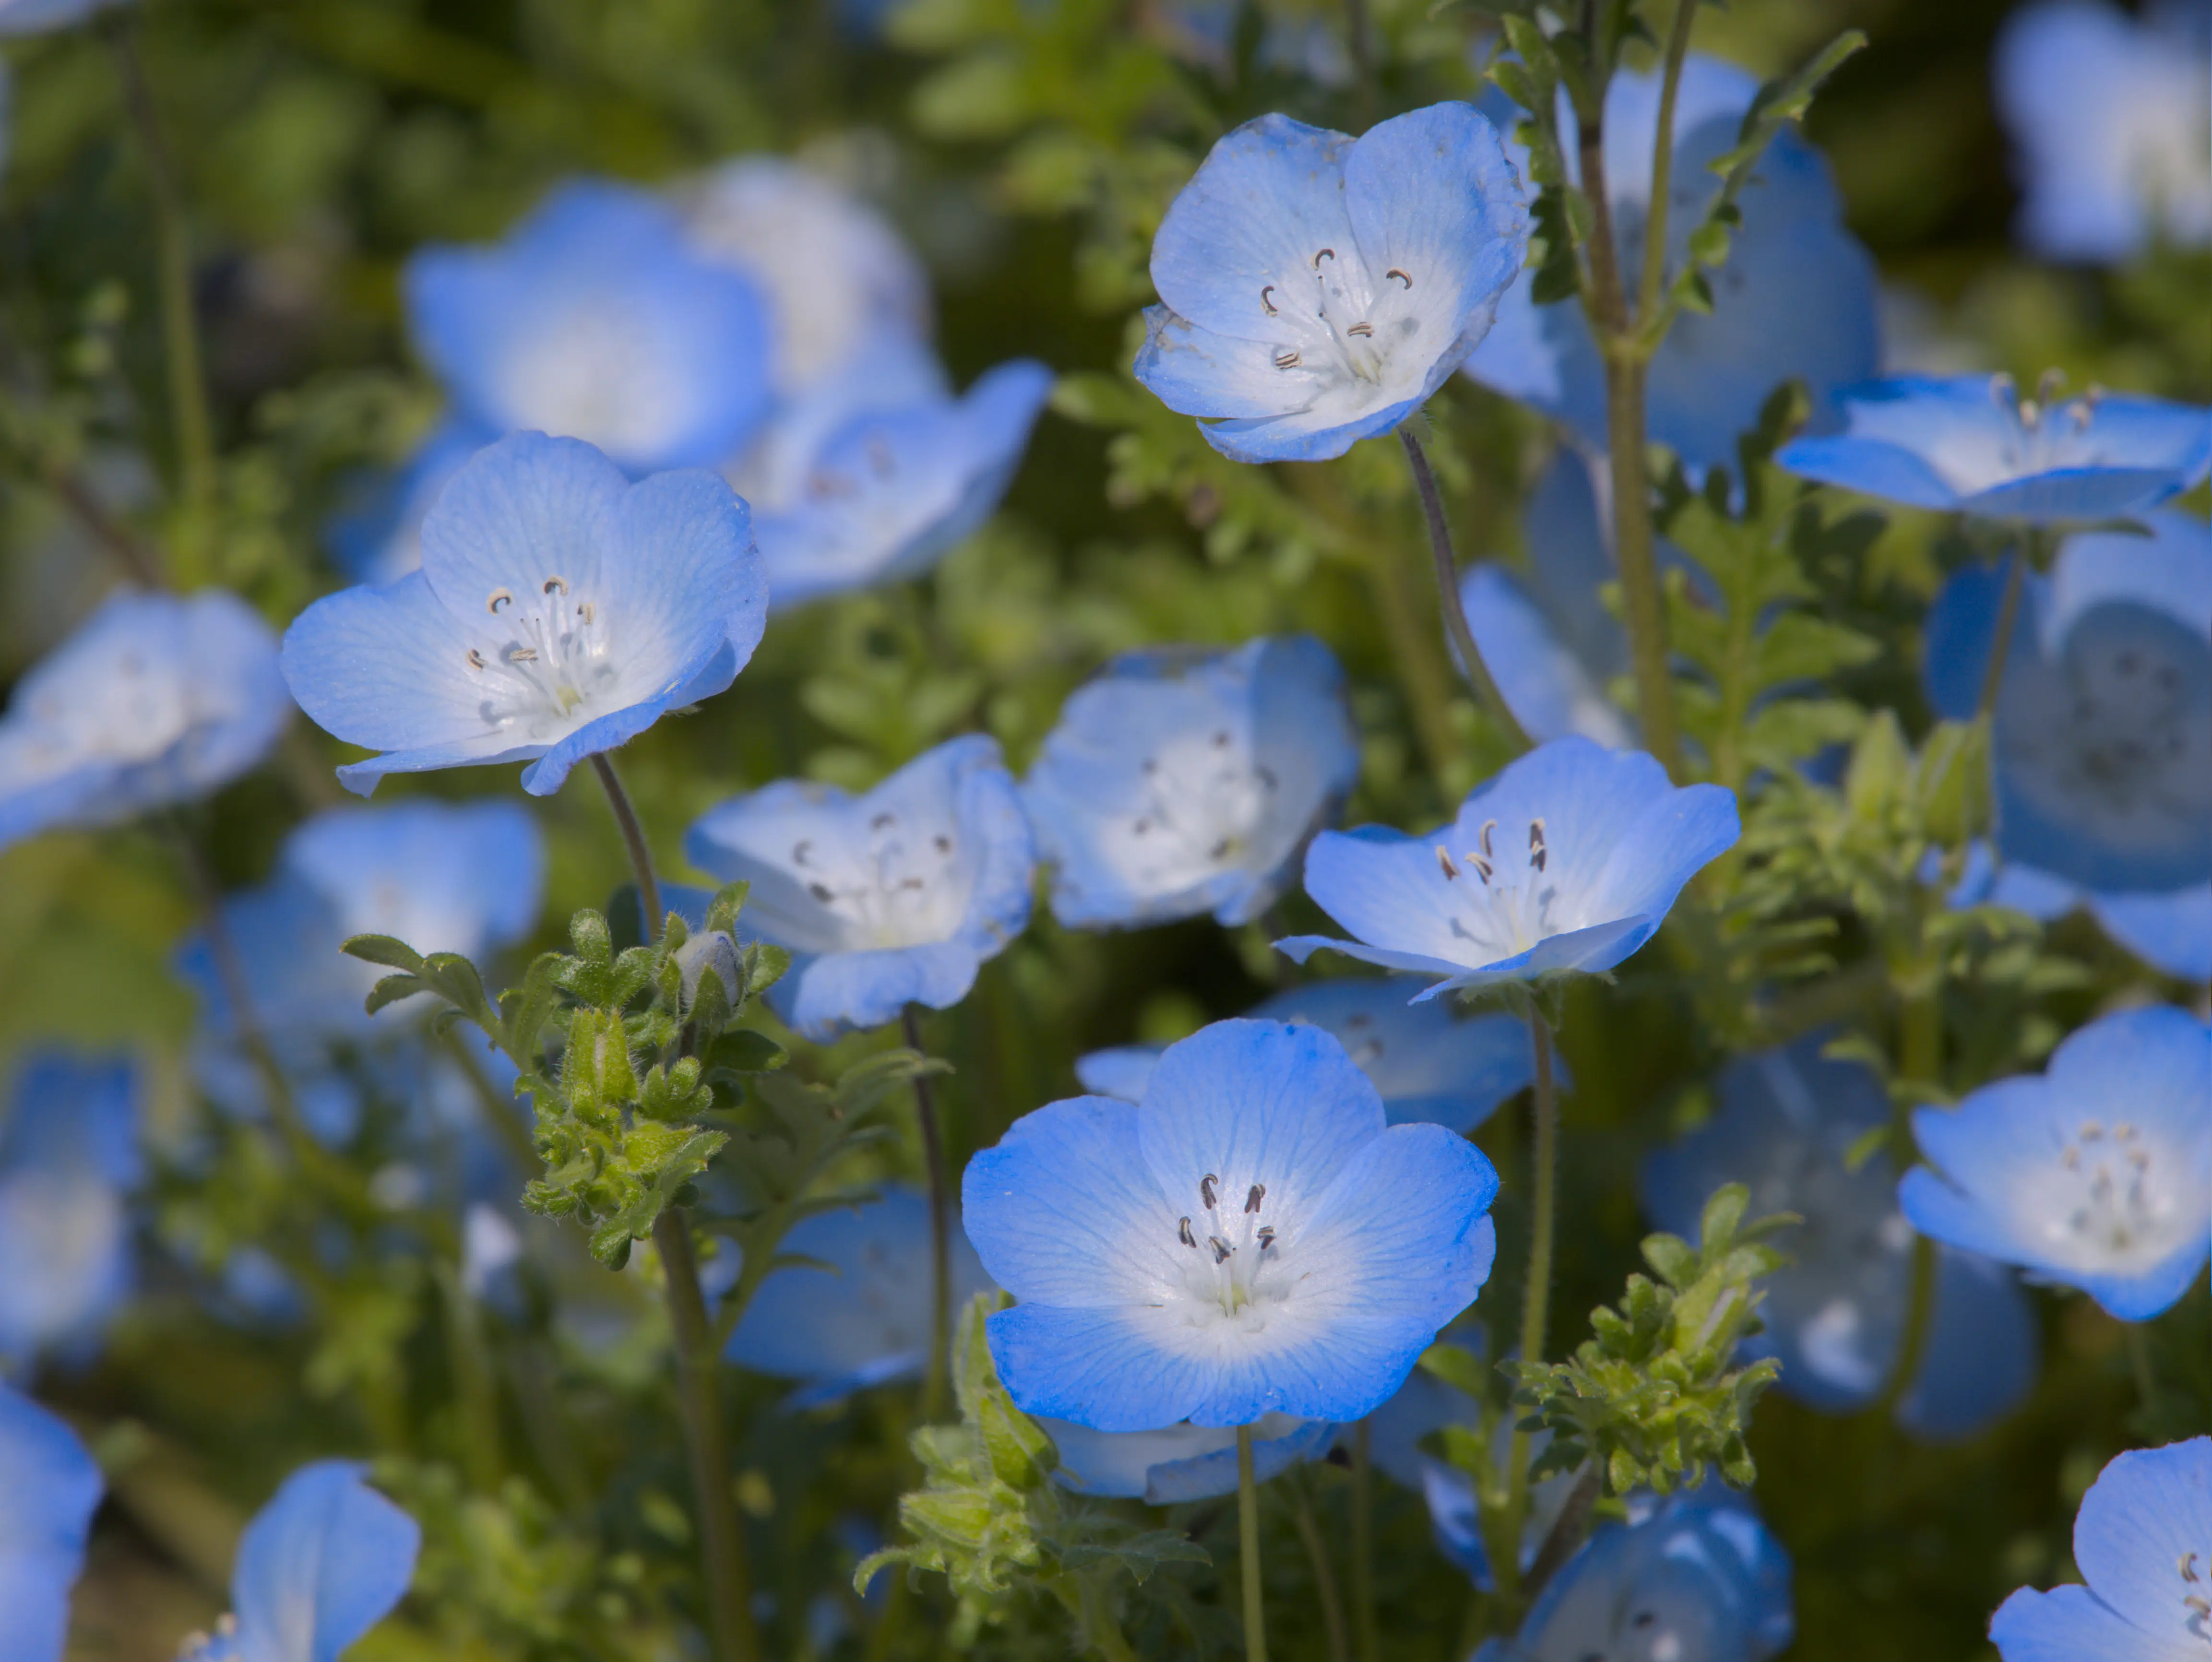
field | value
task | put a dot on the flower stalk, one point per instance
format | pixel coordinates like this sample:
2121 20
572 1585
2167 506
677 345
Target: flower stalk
1477 674
936 1383
1536 1298
1248 1544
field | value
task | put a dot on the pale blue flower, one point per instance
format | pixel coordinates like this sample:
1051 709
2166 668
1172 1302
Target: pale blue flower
1429 1065
321 1564
854 1310
595 319
156 700
2108 112
40 16
69 1160
49 1489
1797 297
1788 1125
893 897
1252 1238
1317 289
1182 781
560 610
1181 1463
2096 1173
1971 444
2139 1540
1696 1578
1566 861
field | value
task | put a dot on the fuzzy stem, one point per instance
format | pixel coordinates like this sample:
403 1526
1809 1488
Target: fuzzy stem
1567 1532
1440 544
722 1542
1535 1302
1248 1544
934 1384
641 856
1636 552
1331 1603
1363 1542
1662 162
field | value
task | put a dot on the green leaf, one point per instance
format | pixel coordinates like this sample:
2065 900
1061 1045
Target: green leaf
384 949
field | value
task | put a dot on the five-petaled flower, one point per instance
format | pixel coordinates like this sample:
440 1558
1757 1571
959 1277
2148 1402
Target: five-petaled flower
1317 289
1252 1238
2096 1173
49 1486
559 611
1567 861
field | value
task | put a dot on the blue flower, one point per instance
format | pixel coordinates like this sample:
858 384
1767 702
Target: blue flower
596 320
1835 1315
38 16
1182 781
1429 1065
155 700
1317 289
1797 297
2103 746
1252 1238
1697 1578
893 897
69 1159
1568 860
2095 1174
858 1313
49 1489
320 1565
559 611
1182 1463
1971 444
2139 1539
2107 113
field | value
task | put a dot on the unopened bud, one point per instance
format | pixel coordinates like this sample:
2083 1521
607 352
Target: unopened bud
709 949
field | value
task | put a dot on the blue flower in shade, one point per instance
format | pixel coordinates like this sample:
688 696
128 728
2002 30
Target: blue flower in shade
559 611
155 700
1567 860
40 16
1788 1125
2171 930
1182 781
1696 1578
1317 289
2108 113
1971 444
2103 727
1252 1238
1429 1066
2139 1539
596 320
1184 1462
69 1159
857 1313
377 537
49 1489
1797 297
320 1565
2096 1173
893 897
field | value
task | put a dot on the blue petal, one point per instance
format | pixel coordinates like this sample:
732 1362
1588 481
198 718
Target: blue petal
820 998
444 877
1870 467
2170 931
1429 1066
1984 1348
1180 1464
1549 691
49 1489
1195 372
1120 1071
2067 1624
1958 632
320 1565
2146 1510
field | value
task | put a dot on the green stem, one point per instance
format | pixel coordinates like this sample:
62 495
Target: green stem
1635 550
1566 1534
1440 544
721 1542
641 856
1662 162
2138 1337
476 1394
1248 1544
2001 643
1536 1298
1919 1313
936 1382
1331 1603
1363 1543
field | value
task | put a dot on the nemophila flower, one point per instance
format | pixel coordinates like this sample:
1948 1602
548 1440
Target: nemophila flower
1569 860
1184 1462
69 1160
1971 444
1317 289
1788 1123
893 897
156 700
2102 737
49 1488
2139 1539
40 16
1182 781
2096 1173
1252 1238
1696 1578
2171 930
1429 1065
559 611
857 1314
2107 113
320 1565
595 320
1797 297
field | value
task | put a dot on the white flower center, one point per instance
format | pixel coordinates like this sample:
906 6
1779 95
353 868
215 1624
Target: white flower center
1235 1261
2195 1569
592 377
1348 322
910 889
547 656
2036 436
132 708
2112 1206
1204 801
1507 907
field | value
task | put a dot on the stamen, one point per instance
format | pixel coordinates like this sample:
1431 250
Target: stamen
586 611
2189 1567
1537 852
522 654
1183 1234
1286 359
555 585
1206 1189
1252 1200
883 822
822 892
1395 272
2091 1130
1223 1251
1488 825
798 850
476 659
497 598
1326 253
1268 305
1444 860
1266 1237
942 843
1483 869
1361 328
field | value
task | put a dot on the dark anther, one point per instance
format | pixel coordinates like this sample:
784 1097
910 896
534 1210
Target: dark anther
1361 328
1222 1249
1221 739
1266 1237
476 659
1265 302
1183 1234
555 585
942 843
1286 359
1488 825
1206 1189
883 822
1326 253
1444 864
1395 272
798 850
822 892
1537 852
1257 1193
